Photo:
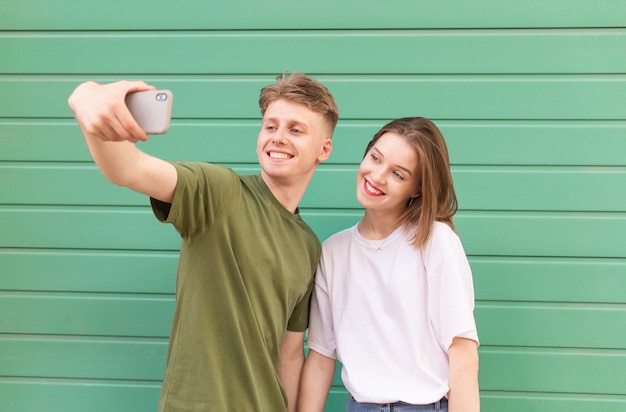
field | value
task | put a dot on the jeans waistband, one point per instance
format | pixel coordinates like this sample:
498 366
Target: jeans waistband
399 406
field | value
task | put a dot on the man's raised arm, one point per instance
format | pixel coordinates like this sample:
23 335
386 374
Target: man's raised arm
111 133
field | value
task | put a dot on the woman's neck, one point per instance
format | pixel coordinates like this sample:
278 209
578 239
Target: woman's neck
376 226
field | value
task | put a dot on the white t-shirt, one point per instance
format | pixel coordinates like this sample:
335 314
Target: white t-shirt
390 317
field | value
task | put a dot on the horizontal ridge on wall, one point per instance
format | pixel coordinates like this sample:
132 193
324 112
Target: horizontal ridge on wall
61 395
494 97
470 142
147 320
322 14
488 233
496 278
499 188
580 51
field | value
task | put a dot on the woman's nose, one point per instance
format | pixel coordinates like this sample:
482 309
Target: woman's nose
378 175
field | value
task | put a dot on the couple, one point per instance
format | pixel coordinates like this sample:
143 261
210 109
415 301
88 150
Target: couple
392 298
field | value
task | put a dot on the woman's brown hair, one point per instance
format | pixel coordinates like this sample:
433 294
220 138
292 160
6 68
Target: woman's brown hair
437 200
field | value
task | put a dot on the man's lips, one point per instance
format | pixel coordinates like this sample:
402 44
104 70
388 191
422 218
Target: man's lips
279 155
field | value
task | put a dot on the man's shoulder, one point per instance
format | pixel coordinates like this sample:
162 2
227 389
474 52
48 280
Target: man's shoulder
202 167
202 173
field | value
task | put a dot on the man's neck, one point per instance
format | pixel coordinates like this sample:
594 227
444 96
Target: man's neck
288 192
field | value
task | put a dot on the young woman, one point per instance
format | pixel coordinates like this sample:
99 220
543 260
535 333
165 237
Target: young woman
394 299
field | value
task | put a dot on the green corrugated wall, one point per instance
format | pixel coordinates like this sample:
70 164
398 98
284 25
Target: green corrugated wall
530 95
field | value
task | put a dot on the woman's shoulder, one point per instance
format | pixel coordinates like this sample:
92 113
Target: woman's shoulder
442 239
338 238
442 230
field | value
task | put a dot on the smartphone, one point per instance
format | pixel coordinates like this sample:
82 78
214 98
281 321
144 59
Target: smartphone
151 109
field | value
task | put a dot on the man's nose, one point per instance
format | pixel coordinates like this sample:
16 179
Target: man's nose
279 137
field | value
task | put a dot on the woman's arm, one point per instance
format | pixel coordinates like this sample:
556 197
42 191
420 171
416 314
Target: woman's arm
317 378
463 376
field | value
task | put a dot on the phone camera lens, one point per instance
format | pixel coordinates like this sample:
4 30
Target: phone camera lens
161 97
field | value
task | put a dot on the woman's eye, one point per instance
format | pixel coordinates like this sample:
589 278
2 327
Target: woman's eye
398 175
374 157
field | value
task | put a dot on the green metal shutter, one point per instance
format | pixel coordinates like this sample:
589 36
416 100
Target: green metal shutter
529 95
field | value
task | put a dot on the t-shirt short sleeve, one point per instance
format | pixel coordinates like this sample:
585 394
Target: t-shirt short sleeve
202 191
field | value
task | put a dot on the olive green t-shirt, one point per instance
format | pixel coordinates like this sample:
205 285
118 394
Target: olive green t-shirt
245 276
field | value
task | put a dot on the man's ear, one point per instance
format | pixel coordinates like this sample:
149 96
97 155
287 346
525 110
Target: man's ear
327 149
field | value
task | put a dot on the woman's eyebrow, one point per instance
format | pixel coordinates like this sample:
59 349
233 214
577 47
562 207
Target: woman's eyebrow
380 154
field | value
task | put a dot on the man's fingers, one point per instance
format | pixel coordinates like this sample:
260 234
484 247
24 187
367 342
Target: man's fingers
127 128
137 86
102 113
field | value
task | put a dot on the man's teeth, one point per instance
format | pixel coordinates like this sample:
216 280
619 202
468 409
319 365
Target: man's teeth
372 189
276 155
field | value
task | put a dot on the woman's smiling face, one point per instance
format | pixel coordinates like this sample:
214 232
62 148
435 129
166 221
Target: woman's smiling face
388 175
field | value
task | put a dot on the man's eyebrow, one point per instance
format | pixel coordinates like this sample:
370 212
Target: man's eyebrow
288 121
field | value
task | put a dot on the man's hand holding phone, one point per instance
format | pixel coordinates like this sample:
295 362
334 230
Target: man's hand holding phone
102 113
151 109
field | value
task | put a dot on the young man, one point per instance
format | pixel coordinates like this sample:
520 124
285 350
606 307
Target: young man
247 259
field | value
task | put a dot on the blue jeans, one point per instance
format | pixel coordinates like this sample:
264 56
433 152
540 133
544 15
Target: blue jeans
354 406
